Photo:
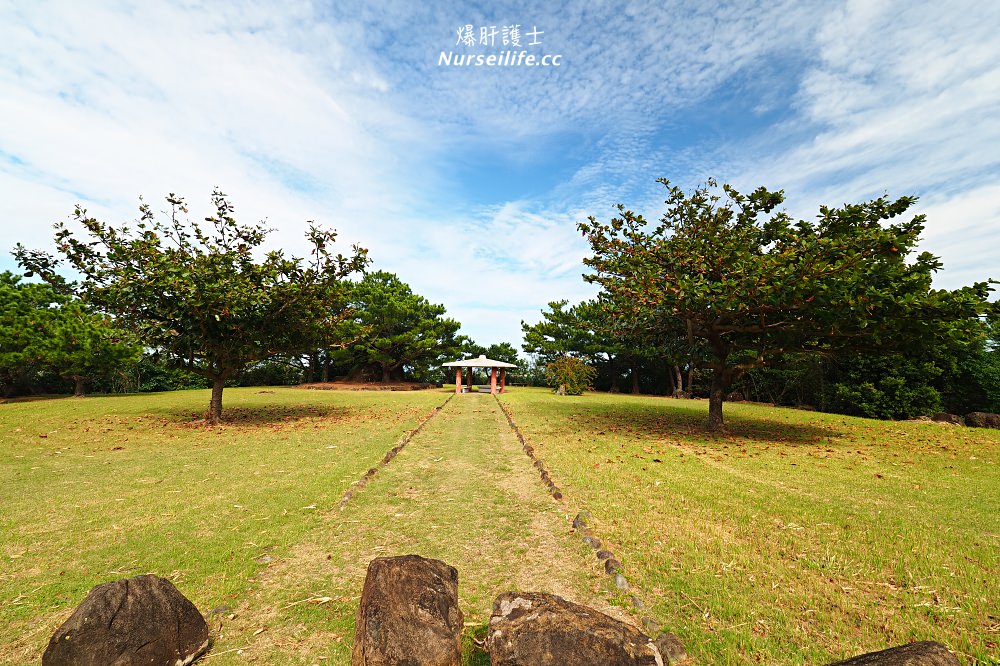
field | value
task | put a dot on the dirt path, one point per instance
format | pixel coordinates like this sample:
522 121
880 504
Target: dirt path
462 491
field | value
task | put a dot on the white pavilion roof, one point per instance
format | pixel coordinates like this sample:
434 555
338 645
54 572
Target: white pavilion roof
481 362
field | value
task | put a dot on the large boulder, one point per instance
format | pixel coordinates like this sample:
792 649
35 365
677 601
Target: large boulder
409 614
982 420
945 417
142 620
925 653
536 629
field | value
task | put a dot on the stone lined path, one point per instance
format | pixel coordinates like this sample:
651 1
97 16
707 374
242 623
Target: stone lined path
462 491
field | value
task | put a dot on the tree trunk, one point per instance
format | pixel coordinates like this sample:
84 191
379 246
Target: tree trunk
312 367
215 406
634 367
722 377
615 375
672 383
78 382
689 389
326 368
386 376
715 396
678 381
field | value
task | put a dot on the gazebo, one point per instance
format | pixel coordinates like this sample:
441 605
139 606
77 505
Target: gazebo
481 362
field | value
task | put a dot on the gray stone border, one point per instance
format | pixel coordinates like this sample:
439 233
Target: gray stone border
612 566
670 647
389 455
530 452
669 642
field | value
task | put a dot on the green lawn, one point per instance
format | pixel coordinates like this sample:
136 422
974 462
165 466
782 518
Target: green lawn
797 539
101 488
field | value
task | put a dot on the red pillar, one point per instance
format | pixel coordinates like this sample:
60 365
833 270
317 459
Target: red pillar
493 381
503 380
458 380
469 380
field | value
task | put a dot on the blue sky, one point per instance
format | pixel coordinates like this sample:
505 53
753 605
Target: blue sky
468 181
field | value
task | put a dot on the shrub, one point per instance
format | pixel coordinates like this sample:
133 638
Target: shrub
573 373
890 386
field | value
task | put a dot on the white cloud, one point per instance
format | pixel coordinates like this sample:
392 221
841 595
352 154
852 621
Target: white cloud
167 99
339 113
903 98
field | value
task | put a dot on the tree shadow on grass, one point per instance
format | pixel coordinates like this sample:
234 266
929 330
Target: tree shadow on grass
663 420
259 416
43 397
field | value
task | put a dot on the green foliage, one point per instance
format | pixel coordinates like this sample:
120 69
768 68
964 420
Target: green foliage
796 379
275 372
198 295
502 351
532 372
562 331
570 372
83 346
888 386
27 314
401 330
750 284
606 330
44 333
151 373
899 385
972 383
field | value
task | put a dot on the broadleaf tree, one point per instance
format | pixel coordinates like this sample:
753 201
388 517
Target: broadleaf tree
196 293
570 375
752 285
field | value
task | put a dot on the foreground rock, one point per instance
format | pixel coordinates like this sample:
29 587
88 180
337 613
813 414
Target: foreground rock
982 420
142 620
913 654
409 614
535 629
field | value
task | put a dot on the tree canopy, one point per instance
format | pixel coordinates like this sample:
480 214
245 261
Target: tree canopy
27 313
42 331
399 328
82 346
749 284
196 293
604 330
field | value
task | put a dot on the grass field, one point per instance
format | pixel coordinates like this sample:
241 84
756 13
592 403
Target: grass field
796 539
799 537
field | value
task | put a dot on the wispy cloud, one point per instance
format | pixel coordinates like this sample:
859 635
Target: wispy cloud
901 98
468 182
